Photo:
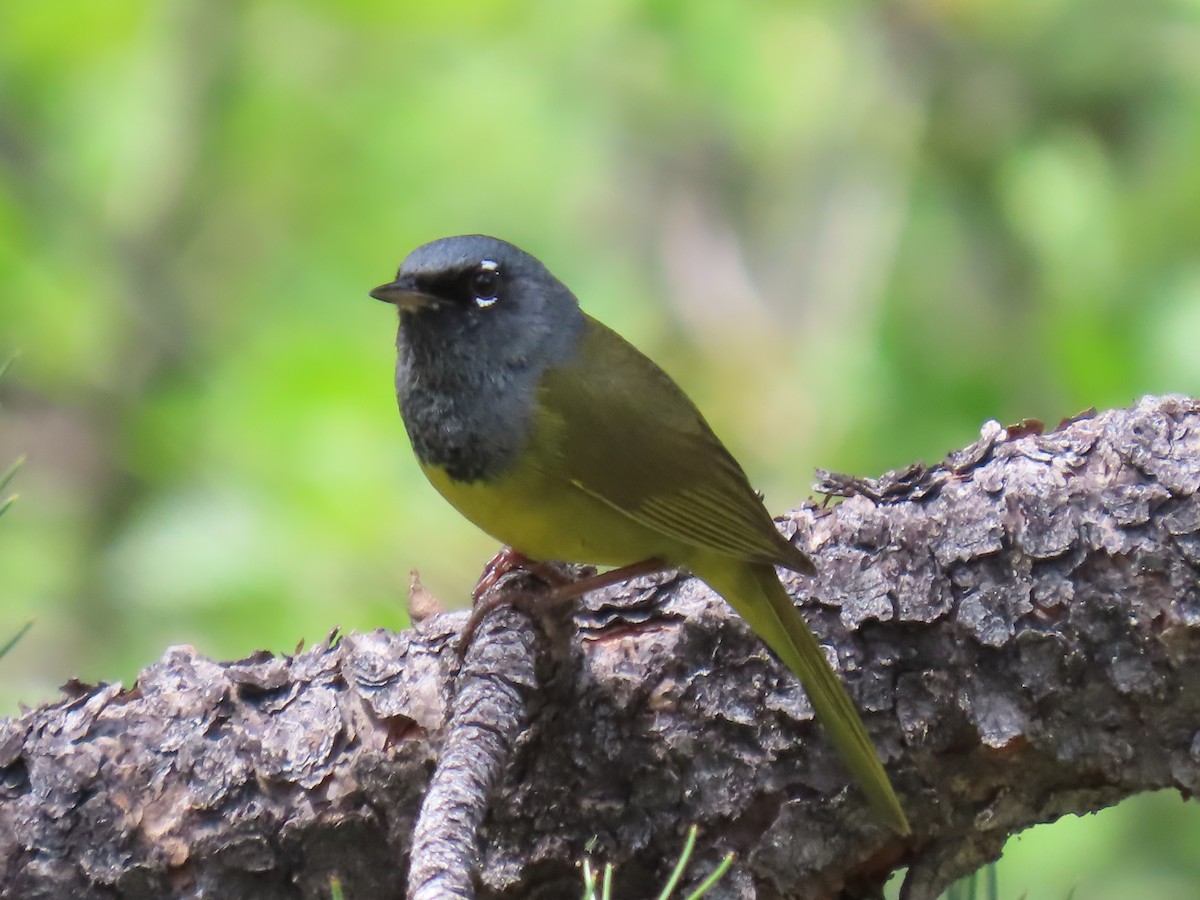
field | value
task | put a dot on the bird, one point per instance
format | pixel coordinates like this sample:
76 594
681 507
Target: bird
557 437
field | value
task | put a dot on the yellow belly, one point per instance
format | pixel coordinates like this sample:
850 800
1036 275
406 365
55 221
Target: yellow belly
548 520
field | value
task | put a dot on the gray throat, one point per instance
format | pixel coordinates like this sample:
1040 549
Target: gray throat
467 394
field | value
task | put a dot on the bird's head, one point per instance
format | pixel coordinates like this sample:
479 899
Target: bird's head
480 321
472 276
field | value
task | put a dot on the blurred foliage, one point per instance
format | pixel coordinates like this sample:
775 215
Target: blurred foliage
854 231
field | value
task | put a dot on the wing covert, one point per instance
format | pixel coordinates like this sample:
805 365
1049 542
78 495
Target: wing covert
660 463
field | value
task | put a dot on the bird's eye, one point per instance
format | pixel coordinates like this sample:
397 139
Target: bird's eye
485 283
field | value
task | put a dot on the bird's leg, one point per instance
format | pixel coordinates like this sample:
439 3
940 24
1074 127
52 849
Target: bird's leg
504 561
486 597
570 590
560 589
507 560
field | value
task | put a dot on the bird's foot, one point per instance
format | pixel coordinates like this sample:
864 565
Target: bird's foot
506 561
575 588
490 591
560 588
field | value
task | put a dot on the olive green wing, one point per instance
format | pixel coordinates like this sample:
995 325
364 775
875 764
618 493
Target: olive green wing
630 437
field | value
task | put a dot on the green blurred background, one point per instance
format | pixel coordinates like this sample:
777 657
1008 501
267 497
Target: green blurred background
854 231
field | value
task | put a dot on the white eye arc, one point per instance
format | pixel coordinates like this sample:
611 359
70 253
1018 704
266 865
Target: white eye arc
485 283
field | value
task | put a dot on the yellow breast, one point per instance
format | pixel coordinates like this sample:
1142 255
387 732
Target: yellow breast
548 518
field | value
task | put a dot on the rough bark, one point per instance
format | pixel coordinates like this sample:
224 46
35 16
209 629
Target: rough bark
1021 624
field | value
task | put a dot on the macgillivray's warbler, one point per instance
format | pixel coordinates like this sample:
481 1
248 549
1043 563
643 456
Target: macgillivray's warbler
560 439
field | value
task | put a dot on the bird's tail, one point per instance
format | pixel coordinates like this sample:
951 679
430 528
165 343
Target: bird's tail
755 592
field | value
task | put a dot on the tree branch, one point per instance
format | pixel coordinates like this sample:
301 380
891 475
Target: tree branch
489 711
1021 625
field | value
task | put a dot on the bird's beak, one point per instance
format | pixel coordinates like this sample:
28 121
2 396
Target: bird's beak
404 293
